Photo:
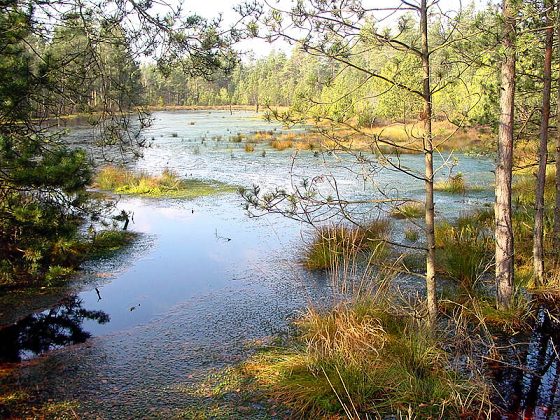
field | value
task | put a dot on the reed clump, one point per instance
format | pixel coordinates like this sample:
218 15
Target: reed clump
411 210
332 243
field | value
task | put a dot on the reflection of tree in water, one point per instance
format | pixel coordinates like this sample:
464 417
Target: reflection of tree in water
39 333
530 390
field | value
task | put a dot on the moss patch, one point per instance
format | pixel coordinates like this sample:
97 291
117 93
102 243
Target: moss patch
166 185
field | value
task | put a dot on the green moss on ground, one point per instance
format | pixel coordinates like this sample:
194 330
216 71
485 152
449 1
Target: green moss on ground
166 185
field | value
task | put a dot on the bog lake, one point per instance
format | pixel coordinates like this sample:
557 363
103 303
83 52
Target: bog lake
204 282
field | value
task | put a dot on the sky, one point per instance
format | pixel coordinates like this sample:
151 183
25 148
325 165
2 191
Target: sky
211 8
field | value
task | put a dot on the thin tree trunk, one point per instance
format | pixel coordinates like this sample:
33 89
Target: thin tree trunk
429 169
502 208
538 236
556 232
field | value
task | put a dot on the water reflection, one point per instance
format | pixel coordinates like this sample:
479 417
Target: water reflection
529 386
48 330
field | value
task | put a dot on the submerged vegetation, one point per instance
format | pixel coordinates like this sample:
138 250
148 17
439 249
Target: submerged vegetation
166 185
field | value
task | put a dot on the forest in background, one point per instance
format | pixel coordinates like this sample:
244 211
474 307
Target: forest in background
467 74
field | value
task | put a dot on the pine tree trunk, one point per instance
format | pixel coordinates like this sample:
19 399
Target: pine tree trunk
502 208
538 236
429 170
556 232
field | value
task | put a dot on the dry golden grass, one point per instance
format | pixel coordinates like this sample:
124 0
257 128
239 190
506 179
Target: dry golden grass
262 136
281 144
366 355
407 138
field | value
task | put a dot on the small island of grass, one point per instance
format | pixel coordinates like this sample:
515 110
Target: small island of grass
167 185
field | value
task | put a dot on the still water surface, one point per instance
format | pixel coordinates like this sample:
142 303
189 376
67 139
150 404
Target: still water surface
205 279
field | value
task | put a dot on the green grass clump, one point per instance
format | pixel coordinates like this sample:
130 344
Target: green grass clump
412 210
411 235
524 188
365 358
455 184
464 251
237 138
333 243
167 185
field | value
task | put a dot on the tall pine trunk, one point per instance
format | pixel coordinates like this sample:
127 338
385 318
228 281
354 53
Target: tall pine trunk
504 163
556 232
538 236
429 169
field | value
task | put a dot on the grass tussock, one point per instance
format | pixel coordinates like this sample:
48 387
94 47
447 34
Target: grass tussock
464 250
454 184
166 185
333 243
366 357
281 144
411 210
411 235
249 147
524 188
237 138
260 136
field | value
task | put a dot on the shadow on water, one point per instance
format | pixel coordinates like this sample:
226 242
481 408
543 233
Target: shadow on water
527 381
48 330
